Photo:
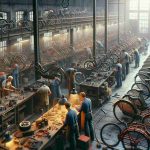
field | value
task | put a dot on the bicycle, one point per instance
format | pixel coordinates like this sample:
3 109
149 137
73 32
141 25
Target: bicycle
54 70
134 137
126 111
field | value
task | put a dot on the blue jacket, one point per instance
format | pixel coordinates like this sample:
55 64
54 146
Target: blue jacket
86 106
71 119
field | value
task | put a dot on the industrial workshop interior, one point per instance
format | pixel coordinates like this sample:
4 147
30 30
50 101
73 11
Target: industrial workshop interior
74 75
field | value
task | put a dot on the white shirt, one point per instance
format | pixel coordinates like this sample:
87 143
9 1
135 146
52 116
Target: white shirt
45 92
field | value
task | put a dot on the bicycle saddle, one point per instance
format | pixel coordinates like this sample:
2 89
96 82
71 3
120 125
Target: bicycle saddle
131 97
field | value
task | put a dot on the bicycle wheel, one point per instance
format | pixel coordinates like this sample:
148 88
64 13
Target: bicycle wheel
146 119
124 111
104 67
133 92
79 77
89 65
136 101
142 77
134 140
114 57
108 137
142 86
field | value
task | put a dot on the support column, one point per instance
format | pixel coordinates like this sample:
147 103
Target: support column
71 38
36 36
118 21
106 25
94 28
125 16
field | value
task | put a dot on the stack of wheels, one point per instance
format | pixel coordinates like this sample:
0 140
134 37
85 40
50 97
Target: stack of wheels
133 137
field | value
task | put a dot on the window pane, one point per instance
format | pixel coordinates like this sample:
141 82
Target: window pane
143 26
133 16
3 15
144 4
19 15
144 16
31 15
133 4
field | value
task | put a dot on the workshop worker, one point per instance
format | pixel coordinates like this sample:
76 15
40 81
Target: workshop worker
7 86
15 74
118 74
137 58
44 92
72 124
55 89
126 60
86 108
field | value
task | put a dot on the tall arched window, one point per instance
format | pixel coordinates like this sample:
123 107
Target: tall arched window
3 15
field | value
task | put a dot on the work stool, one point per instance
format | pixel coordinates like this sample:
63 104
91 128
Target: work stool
83 142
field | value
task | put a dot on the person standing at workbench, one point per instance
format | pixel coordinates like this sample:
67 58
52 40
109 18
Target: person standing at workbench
72 124
86 109
44 92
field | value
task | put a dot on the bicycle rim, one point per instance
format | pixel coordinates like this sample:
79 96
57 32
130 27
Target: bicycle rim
133 92
142 86
105 67
146 119
141 76
79 77
133 140
108 137
124 111
89 65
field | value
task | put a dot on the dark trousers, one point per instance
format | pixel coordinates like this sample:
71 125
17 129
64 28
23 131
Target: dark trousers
73 136
88 128
127 68
118 79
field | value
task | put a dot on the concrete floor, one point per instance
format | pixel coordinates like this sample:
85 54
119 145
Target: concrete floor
101 118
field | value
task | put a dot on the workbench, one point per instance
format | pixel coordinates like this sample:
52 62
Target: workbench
92 86
22 109
55 117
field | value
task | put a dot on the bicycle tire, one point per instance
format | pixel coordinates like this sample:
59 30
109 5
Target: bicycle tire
106 134
142 77
114 57
146 119
79 77
104 67
122 115
133 92
142 86
136 102
129 137
89 65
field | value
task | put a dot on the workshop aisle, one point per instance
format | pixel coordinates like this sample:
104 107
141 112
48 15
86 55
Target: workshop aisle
104 114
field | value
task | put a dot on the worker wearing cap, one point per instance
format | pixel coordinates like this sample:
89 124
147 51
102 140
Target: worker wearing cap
86 108
7 86
72 124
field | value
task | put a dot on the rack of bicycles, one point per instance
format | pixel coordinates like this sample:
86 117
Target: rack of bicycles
133 111
102 63
10 26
